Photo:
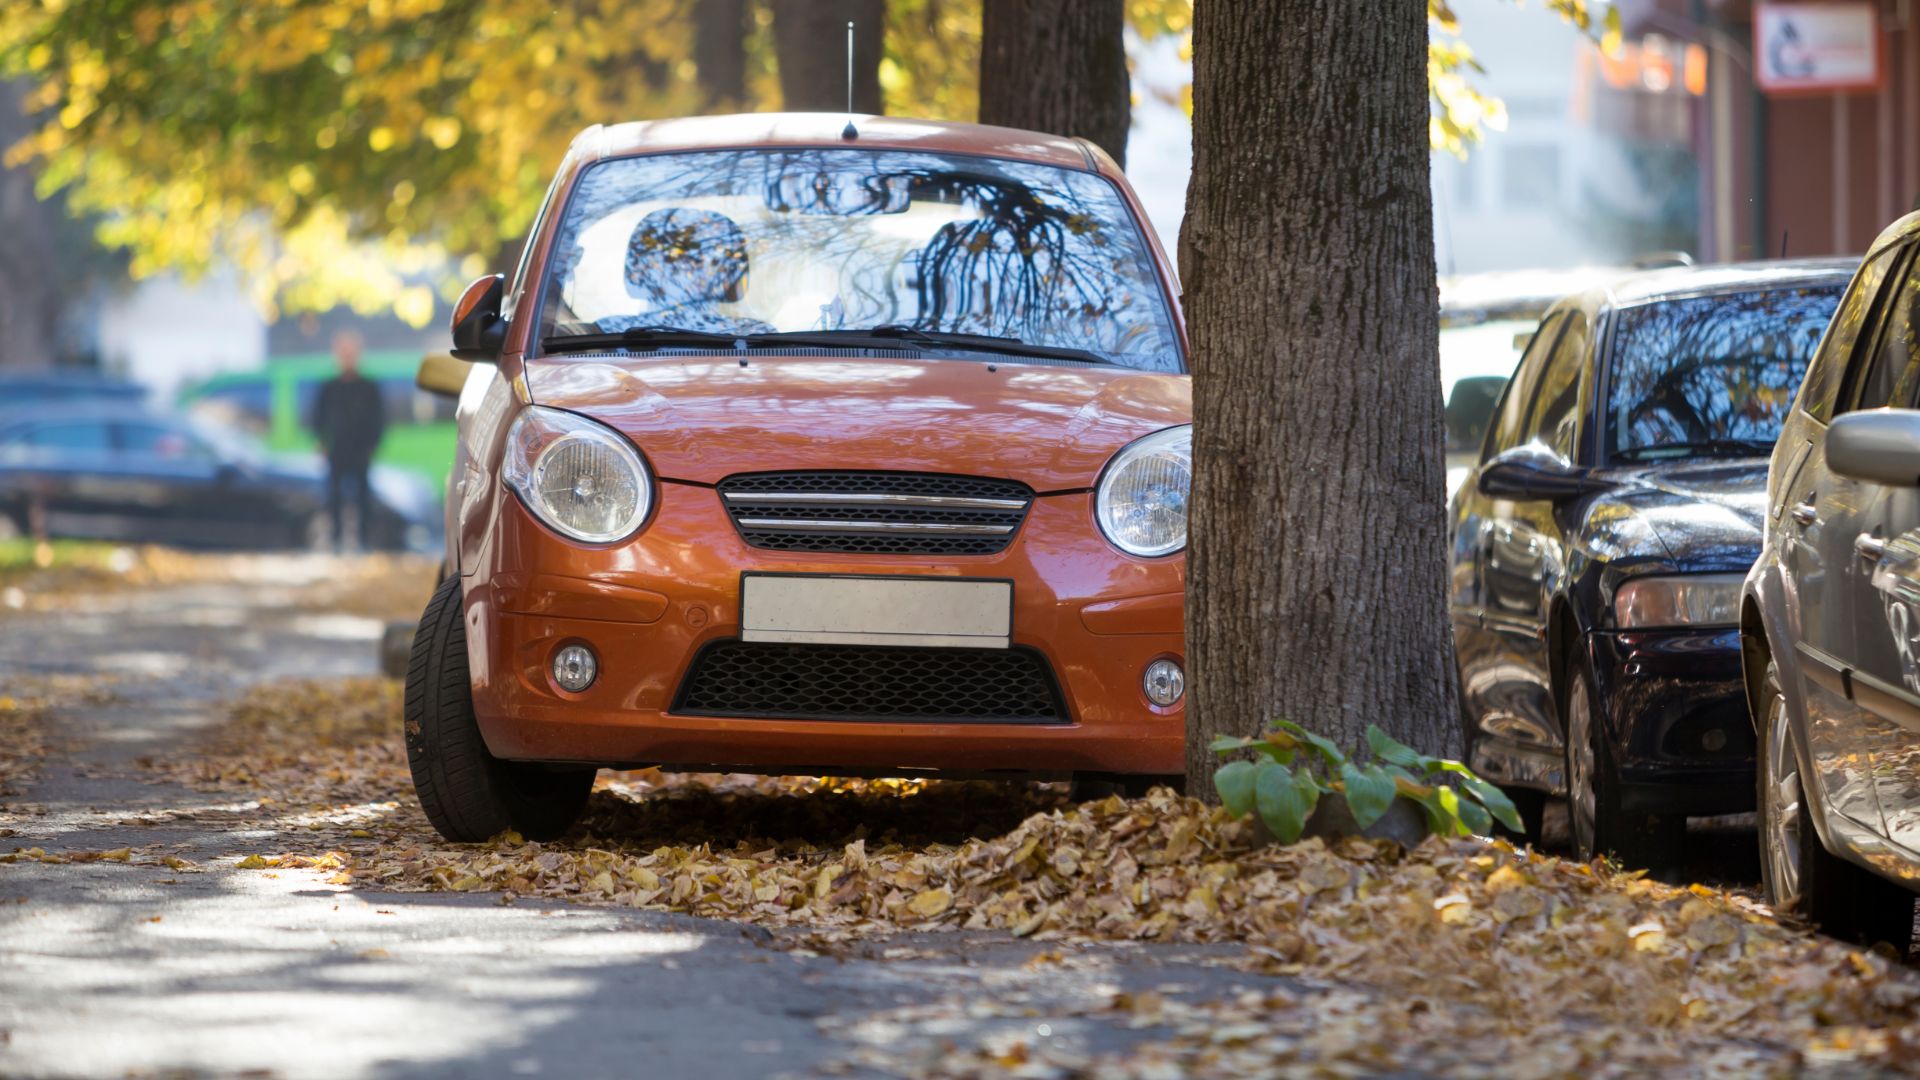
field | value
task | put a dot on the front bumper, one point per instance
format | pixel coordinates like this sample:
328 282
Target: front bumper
648 606
1675 710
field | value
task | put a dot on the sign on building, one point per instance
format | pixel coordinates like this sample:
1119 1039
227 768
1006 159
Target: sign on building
1816 48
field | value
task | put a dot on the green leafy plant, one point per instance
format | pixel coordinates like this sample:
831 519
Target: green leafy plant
1293 768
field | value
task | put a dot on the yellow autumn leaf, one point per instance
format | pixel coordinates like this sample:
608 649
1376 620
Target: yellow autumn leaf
1647 936
930 903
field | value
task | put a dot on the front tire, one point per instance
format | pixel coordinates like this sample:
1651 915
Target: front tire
1799 874
1596 820
470 795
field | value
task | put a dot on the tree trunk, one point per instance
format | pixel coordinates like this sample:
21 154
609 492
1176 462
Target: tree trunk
30 298
810 44
1317 557
1057 66
720 52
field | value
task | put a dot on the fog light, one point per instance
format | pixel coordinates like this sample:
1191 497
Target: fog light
1164 682
1714 740
574 668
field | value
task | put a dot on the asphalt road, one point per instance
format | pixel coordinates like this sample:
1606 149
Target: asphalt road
117 969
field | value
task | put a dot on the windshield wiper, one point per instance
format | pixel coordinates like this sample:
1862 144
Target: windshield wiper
1710 448
877 337
894 336
641 337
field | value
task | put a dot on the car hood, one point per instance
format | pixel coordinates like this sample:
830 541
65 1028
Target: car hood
703 418
1705 516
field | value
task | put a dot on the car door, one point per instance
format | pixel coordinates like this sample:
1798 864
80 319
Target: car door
1821 515
1493 594
1526 551
66 469
1883 584
192 494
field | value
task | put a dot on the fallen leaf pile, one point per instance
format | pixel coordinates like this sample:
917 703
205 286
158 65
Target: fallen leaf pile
26 736
52 577
1453 936
304 743
1321 1030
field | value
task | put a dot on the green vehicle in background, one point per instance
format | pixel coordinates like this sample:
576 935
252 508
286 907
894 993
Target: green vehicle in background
274 403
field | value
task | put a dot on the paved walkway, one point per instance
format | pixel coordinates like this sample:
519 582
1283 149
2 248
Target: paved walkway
113 969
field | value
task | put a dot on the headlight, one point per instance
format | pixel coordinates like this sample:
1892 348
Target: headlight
1142 501
584 479
1695 600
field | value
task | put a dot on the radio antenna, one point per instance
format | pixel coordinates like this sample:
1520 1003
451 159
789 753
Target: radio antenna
849 132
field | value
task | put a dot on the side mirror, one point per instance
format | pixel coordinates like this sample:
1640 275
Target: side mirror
1535 472
1880 446
442 374
478 328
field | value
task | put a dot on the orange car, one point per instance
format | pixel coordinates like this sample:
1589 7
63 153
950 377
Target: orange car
804 446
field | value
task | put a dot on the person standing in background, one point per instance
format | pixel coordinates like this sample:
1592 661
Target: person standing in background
348 421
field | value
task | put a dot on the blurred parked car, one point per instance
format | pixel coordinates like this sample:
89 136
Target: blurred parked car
51 386
1599 545
124 472
275 404
1830 618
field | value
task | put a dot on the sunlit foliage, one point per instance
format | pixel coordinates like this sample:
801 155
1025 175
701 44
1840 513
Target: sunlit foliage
1461 113
374 152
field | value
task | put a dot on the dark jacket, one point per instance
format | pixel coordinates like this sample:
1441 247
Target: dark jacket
348 419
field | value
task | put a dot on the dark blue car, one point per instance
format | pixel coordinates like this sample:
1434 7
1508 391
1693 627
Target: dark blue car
1600 543
105 470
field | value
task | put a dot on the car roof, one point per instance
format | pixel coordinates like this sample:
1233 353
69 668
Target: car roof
824 130
1468 299
99 411
73 378
1677 282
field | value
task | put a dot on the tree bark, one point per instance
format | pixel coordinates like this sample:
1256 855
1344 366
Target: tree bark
30 297
810 44
1317 557
720 52
1058 66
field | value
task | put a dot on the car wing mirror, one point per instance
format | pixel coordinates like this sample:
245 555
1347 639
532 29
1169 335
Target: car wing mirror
478 328
1880 446
1535 472
442 375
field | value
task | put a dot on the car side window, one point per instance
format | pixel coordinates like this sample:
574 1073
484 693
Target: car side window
1556 410
1892 374
81 437
1845 348
1509 425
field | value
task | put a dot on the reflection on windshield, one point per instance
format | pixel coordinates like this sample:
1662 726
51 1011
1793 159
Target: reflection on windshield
1711 371
743 242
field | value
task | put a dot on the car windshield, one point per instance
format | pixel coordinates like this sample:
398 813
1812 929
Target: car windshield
744 242
1711 375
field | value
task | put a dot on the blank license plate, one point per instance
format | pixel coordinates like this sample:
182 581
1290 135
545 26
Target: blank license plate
824 609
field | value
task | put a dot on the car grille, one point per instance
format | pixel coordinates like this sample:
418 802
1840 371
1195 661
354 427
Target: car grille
876 513
766 680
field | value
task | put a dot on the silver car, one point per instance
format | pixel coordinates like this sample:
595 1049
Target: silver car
1830 617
